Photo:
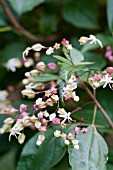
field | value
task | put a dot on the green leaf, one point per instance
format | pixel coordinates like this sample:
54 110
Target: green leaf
62 59
76 56
110 14
21 6
92 153
85 63
46 77
106 40
82 14
42 157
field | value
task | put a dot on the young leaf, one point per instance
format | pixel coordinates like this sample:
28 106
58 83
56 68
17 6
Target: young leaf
92 154
64 60
45 156
110 14
76 56
46 77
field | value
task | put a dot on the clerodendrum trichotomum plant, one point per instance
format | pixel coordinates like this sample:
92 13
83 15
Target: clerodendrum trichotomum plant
50 87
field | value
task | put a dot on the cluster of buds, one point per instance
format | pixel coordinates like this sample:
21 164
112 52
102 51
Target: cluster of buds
102 79
69 90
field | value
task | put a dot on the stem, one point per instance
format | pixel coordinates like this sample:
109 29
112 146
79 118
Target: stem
95 109
96 102
21 29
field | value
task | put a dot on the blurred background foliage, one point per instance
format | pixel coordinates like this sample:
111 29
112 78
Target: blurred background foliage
25 22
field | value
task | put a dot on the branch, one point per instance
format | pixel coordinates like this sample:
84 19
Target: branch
96 102
21 29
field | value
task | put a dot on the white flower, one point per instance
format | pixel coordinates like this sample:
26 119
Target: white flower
37 47
57 133
67 142
52 116
28 92
64 114
69 47
40 139
75 144
12 64
21 138
95 40
49 51
37 124
30 86
26 52
16 130
107 80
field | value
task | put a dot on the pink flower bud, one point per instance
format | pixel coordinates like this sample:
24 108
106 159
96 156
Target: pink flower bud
53 90
108 48
109 70
56 121
76 130
10 88
84 130
64 42
97 77
23 108
52 66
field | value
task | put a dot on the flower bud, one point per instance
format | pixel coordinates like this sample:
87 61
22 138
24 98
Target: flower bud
56 121
23 108
21 138
83 40
28 92
84 130
67 142
57 133
34 72
41 66
9 120
76 130
37 47
49 51
52 66
109 70
64 42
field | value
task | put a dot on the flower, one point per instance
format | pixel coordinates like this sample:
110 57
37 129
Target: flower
21 138
29 93
83 40
52 116
3 95
107 79
75 144
49 51
56 46
95 40
84 130
40 139
64 114
26 52
37 47
41 66
52 66
57 133
12 64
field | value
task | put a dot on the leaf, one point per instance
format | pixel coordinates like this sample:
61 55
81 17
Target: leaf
85 63
76 56
21 6
45 156
46 77
106 40
62 59
92 153
110 14
82 14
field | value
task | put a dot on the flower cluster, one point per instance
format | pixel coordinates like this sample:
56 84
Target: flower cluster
104 78
46 95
